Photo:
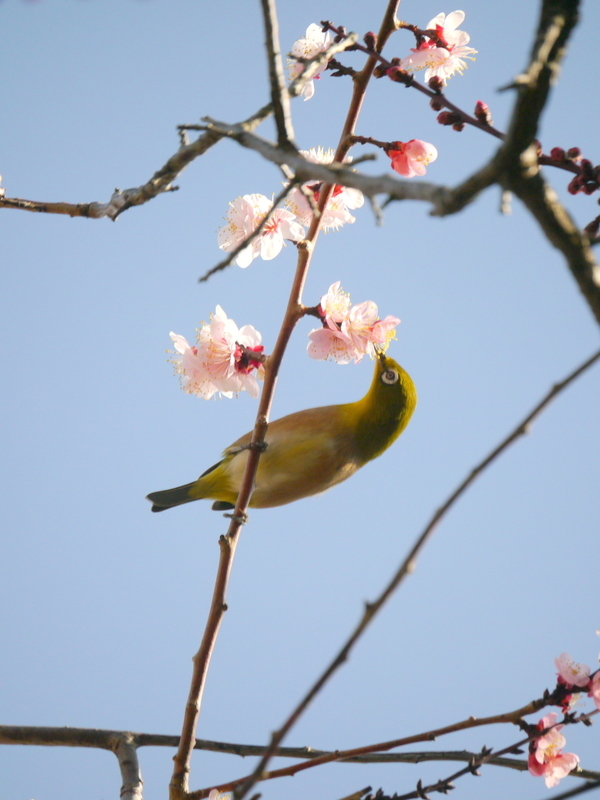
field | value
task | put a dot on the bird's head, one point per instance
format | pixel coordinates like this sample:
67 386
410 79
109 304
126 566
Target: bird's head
386 409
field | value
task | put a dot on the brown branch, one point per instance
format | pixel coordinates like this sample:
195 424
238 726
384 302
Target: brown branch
179 786
343 755
160 182
110 740
295 310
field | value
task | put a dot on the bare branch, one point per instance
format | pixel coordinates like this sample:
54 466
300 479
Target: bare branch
280 98
122 743
179 785
160 182
131 776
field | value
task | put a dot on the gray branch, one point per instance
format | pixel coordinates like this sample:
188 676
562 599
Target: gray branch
127 743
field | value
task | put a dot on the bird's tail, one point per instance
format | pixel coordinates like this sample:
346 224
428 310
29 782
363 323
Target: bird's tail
171 497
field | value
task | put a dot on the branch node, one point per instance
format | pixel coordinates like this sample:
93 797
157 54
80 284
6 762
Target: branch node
241 519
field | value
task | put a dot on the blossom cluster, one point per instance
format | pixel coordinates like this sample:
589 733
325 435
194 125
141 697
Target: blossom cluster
257 229
246 214
546 756
221 360
442 51
349 332
443 54
309 46
576 679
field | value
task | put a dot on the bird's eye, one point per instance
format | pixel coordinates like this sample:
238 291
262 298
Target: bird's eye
390 376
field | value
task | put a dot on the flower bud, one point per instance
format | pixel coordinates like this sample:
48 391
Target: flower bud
370 39
557 154
400 75
482 112
450 118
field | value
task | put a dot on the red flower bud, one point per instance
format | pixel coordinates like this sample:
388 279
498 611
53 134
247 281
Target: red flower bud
483 113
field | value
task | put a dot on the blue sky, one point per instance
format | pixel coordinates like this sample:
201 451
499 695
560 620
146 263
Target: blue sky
103 603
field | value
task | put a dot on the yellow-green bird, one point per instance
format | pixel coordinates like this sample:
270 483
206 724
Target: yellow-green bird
309 451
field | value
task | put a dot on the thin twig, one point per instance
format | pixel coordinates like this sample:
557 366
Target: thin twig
179 785
594 784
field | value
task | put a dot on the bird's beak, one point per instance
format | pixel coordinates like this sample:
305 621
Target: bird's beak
380 354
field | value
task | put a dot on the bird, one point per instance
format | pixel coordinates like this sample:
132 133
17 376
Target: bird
309 451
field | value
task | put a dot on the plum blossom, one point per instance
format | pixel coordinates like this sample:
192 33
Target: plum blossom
349 333
546 757
446 56
412 157
336 212
220 361
571 674
243 218
335 305
313 43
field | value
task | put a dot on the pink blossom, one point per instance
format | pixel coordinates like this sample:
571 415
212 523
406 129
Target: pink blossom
218 363
336 212
446 56
570 673
546 757
594 691
411 158
313 43
243 218
349 333
335 305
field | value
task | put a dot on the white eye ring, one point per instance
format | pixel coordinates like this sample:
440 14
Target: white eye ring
390 376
